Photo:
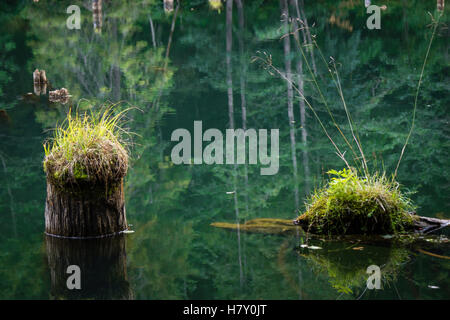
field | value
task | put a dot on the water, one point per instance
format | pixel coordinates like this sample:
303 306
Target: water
174 252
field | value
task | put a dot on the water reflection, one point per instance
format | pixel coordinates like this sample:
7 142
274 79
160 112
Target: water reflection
346 264
196 65
103 266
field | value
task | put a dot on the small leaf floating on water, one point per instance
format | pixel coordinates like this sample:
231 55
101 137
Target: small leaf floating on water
310 247
433 287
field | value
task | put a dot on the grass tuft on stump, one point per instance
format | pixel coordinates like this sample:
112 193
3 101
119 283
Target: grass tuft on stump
87 148
350 204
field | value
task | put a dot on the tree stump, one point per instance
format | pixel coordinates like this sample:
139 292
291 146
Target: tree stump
85 211
85 165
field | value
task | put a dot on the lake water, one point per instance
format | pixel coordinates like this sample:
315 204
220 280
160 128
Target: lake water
202 72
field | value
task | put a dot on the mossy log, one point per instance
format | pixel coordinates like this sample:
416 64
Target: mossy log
60 95
262 225
85 211
102 263
422 225
419 224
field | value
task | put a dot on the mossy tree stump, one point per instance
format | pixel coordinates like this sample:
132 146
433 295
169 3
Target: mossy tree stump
85 166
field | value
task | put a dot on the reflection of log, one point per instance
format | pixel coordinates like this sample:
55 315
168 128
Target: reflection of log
40 88
40 82
85 211
61 95
102 264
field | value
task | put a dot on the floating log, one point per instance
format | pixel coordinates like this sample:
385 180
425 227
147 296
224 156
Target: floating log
420 224
426 225
102 263
60 95
262 225
423 225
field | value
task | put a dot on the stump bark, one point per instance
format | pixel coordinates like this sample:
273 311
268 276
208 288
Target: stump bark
85 211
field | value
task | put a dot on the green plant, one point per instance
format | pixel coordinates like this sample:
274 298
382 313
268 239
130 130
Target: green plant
359 159
350 204
370 204
87 147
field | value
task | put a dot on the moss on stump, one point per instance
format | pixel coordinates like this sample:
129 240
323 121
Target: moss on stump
85 165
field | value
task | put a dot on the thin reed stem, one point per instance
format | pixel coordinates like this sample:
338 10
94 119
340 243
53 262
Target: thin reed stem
324 101
435 24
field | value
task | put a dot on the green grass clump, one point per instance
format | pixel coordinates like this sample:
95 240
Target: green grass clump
86 148
350 204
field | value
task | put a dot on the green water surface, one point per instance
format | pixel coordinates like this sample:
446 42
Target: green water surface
174 253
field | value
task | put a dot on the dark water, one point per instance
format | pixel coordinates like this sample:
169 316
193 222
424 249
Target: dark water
174 252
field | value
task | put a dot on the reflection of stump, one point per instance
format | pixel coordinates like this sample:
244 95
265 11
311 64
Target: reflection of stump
40 88
85 211
102 264
60 95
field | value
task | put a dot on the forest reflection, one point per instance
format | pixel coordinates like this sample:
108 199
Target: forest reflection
176 62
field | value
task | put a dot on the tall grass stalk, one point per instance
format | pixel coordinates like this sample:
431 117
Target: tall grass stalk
435 23
337 82
268 62
324 101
